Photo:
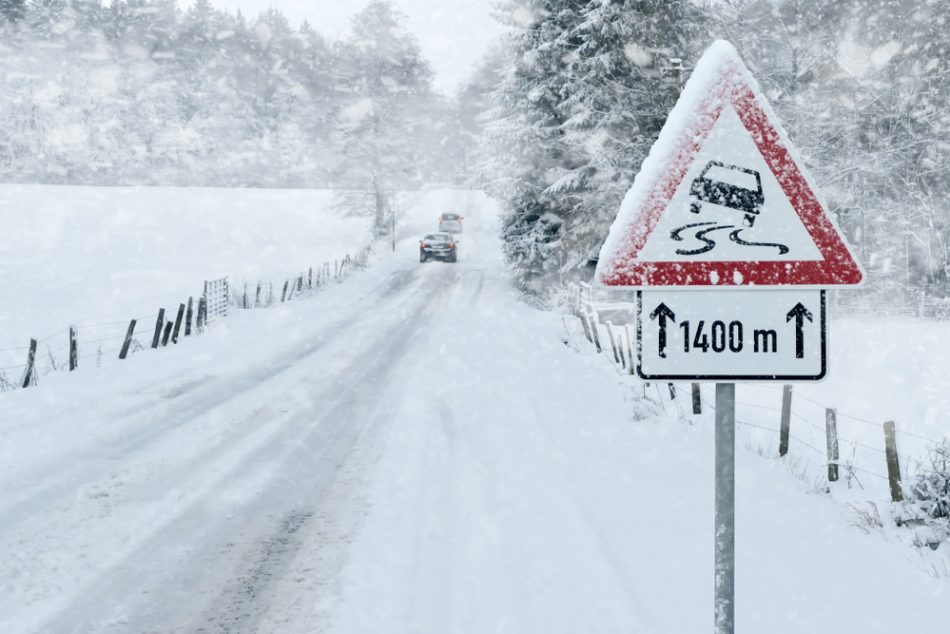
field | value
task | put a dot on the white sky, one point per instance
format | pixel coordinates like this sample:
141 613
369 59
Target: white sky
453 34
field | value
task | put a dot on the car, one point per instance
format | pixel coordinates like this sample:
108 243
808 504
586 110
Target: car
450 222
729 186
438 246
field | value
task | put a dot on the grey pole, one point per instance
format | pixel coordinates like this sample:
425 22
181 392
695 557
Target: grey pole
725 507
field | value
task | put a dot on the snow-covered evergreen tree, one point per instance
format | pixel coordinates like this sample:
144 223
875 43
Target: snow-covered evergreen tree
588 87
12 10
526 137
626 78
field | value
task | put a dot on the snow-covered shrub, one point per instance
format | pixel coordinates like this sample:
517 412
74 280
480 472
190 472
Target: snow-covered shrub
931 489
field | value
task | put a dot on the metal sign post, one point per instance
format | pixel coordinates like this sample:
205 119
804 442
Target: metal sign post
725 507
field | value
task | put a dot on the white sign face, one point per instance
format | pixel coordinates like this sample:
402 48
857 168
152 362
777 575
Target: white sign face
729 207
731 335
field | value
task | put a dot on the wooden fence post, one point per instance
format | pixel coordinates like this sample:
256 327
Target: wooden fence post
283 296
697 398
594 328
28 378
613 342
310 278
831 437
672 389
161 321
300 283
583 318
202 319
631 363
244 303
188 316
786 422
73 349
257 296
178 320
167 333
123 353
893 464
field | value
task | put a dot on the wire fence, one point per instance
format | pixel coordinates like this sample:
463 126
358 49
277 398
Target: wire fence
249 294
111 340
856 454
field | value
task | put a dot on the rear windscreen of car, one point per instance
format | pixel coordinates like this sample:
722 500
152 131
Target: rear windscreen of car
450 217
732 177
438 237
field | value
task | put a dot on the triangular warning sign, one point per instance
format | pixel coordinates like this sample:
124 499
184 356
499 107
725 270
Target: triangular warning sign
722 200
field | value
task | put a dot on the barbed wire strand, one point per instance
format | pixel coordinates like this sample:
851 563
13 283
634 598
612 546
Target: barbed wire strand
61 332
839 413
868 471
104 324
98 339
14 349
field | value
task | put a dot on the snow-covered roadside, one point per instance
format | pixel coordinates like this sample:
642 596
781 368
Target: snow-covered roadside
160 493
534 492
880 369
886 369
99 256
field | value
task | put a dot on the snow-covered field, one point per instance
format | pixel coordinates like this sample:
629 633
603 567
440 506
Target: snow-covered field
880 369
97 257
417 450
892 369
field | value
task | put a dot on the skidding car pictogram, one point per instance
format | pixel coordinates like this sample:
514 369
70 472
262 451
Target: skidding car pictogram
730 186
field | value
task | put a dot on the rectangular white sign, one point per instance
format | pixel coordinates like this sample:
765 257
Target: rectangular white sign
750 335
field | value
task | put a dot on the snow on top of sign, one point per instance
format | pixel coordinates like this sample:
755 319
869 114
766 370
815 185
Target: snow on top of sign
720 80
720 55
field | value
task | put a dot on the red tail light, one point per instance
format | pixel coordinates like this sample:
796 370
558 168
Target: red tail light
423 245
452 244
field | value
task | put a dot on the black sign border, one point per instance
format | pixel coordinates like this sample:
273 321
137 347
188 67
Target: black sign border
728 378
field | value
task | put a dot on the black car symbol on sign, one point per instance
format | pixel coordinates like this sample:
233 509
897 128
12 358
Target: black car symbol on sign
730 186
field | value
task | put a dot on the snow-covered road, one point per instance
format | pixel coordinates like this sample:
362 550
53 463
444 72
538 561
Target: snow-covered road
182 504
415 450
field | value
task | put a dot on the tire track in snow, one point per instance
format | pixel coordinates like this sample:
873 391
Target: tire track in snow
390 343
153 427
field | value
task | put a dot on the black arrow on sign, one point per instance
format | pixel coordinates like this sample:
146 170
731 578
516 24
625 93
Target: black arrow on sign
663 312
800 313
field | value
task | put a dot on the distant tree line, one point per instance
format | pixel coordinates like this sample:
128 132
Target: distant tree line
140 92
576 94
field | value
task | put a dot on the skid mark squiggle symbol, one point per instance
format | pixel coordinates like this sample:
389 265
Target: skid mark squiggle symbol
709 244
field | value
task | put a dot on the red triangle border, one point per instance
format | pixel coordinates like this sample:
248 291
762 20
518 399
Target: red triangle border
837 267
